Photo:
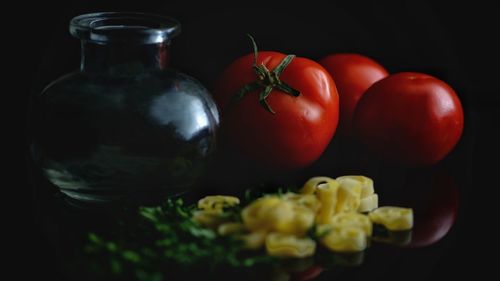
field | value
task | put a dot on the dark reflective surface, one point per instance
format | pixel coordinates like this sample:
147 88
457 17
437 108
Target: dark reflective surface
432 194
427 36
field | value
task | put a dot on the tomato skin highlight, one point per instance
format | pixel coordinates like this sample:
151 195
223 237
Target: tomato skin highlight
409 118
353 75
301 128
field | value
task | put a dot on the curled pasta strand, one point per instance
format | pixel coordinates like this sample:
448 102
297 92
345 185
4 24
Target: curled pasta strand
327 195
312 184
217 202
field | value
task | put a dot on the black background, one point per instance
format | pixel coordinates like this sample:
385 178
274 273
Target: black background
452 41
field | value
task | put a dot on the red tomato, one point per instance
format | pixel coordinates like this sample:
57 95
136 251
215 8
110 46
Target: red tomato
410 118
300 128
353 75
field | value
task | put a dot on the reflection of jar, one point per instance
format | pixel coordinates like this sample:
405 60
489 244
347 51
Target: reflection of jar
124 125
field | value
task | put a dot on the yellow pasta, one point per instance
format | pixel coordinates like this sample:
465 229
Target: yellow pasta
255 213
327 195
268 213
345 239
217 202
303 220
289 245
211 209
369 203
367 187
280 222
342 220
230 228
323 229
307 200
349 195
312 184
253 240
281 217
208 218
393 218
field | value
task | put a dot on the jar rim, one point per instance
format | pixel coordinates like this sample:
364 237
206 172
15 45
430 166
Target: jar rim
124 27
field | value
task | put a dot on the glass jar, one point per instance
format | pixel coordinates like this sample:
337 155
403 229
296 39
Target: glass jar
124 125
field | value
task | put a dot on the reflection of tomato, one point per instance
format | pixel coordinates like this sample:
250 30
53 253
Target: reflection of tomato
353 74
300 128
409 118
436 214
309 274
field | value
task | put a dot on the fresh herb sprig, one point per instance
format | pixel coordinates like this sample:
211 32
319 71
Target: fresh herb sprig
165 237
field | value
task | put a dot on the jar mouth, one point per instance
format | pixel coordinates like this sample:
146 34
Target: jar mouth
116 27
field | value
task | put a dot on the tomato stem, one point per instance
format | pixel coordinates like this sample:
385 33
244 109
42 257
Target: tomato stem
267 80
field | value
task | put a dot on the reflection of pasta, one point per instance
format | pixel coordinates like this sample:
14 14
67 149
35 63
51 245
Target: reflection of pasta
288 245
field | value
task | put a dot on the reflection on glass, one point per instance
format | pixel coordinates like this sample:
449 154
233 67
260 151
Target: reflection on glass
174 107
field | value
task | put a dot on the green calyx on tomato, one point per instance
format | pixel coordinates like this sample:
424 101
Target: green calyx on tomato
267 80
302 127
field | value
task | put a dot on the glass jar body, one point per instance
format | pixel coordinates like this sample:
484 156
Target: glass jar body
103 137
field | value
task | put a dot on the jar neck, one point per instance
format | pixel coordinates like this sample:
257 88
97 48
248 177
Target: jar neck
123 58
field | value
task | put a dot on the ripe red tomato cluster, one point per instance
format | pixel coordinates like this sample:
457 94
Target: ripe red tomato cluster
282 111
409 118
